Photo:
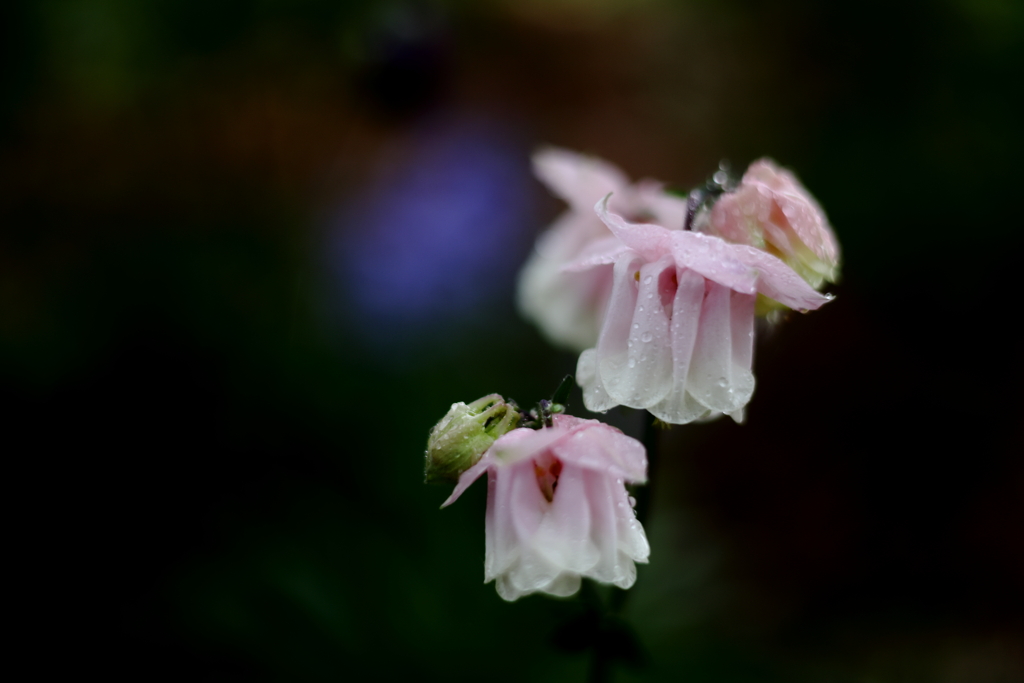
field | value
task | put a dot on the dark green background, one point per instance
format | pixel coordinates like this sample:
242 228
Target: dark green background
215 455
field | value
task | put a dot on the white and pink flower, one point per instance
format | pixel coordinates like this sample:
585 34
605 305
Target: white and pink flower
557 508
567 306
677 337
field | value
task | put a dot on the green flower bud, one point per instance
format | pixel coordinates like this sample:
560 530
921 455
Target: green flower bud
464 434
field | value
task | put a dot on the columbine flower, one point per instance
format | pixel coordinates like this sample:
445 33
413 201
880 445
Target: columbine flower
678 336
557 508
568 306
771 210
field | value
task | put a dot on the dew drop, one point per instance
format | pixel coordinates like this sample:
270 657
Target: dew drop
632 363
646 337
632 501
636 326
647 280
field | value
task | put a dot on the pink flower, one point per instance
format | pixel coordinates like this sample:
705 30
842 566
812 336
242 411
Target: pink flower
677 338
771 210
568 306
557 508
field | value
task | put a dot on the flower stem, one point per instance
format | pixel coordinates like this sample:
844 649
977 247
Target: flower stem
600 664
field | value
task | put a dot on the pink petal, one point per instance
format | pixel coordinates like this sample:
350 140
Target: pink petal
668 210
522 444
715 259
469 476
804 214
649 240
780 282
605 449
579 180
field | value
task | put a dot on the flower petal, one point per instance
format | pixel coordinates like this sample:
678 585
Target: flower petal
715 259
565 305
595 398
578 179
521 444
649 240
640 374
469 476
598 253
678 407
714 379
778 281
564 536
502 543
604 449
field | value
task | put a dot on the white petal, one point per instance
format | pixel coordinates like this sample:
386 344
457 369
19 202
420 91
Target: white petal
678 407
528 507
634 372
502 543
566 306
602 501
595 398
741 311
646 377
564 585
564 536
714 379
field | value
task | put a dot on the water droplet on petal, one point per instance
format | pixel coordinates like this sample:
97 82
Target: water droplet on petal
647 280
632 501
646 337
632 363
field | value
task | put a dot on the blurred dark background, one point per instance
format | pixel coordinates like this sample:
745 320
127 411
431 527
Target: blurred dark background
250 251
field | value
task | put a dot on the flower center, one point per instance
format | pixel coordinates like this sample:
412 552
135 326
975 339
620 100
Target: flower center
547 468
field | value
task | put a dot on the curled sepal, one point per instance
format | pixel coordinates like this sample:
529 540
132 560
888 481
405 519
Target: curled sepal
463 435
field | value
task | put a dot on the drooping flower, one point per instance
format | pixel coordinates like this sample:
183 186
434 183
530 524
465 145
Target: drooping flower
558 509
677 338
771 210
567 306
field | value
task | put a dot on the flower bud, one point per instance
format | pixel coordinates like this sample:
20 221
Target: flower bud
772 211
464 434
